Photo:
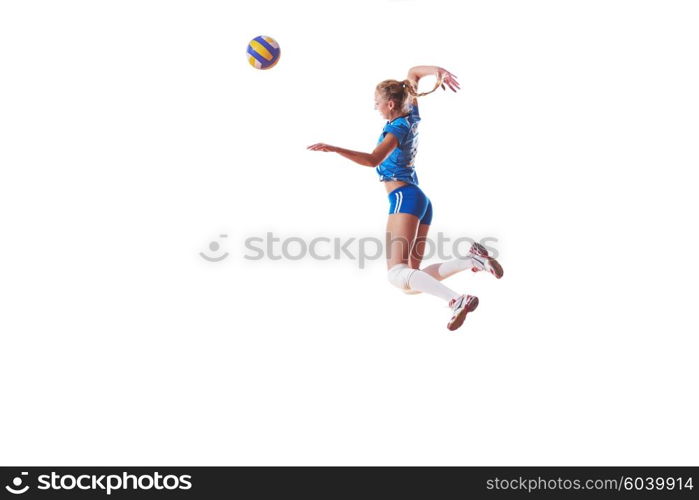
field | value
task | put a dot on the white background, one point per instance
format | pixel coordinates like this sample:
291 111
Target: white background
133 133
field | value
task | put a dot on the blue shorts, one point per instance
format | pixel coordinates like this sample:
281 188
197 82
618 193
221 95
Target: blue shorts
410 199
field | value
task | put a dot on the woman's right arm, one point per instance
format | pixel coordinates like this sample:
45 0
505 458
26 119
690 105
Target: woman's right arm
444 76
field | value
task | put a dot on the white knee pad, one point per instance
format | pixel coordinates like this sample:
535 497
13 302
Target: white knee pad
399 275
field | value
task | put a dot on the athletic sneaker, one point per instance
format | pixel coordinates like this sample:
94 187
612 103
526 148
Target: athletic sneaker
461 306
483 261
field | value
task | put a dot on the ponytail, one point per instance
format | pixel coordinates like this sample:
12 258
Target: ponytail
413 91
401 92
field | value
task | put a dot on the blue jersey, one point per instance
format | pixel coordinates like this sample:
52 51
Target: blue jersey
400 164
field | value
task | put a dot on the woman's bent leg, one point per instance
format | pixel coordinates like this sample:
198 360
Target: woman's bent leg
401 233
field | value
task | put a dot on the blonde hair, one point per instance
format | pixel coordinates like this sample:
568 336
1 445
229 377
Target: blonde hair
401 92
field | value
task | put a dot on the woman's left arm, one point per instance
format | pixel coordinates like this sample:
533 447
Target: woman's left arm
373 159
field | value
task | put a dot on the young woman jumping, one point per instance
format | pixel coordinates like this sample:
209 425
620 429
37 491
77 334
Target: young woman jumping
410 211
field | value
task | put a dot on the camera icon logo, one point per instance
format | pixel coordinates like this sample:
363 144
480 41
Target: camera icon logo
17 483
215 246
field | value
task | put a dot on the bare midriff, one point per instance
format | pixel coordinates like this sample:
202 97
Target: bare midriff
391 185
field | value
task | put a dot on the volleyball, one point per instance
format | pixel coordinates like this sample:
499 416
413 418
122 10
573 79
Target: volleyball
263 52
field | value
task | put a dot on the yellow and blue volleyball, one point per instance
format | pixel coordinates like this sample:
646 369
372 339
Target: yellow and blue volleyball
263 52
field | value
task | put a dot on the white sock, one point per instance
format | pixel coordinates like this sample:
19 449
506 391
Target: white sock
413 279
445 269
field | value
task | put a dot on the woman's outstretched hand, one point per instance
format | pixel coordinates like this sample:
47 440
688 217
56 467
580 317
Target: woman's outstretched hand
448 79
321 146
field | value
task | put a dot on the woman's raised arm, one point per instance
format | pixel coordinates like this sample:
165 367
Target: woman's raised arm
444 77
